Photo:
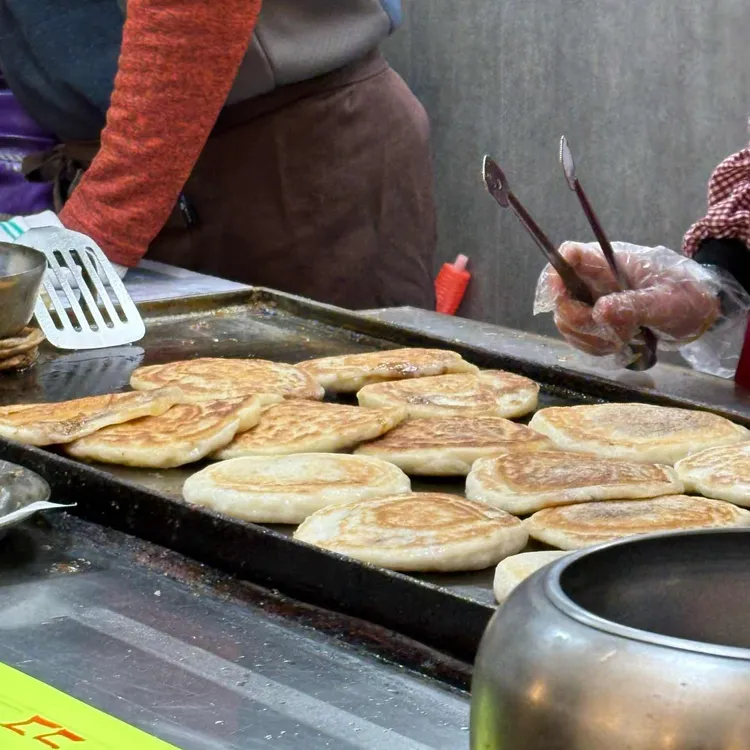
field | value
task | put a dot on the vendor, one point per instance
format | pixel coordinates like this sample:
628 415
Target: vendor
680 297
264 142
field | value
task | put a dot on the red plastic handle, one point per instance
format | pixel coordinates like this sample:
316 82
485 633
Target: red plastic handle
451 284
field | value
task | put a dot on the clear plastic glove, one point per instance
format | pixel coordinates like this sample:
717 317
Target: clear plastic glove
677 298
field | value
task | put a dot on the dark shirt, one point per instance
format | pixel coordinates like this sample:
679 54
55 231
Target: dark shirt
60 59
728 254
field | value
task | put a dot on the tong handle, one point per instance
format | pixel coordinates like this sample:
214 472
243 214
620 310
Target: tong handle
575 285
645 352
498 187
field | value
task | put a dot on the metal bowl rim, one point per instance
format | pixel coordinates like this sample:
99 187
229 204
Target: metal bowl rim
561 601
44 483
28 250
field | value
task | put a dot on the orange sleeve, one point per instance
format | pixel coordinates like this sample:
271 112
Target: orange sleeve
178 61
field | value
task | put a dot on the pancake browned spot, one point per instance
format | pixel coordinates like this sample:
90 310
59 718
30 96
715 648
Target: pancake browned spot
184 434
214 379
351 372
287 489
420 532
639 432
721 473
311 427
577 526
525 483
65 421
449 446
488 393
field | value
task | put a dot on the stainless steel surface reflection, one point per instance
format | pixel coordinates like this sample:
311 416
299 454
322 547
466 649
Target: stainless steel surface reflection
21 274
638 645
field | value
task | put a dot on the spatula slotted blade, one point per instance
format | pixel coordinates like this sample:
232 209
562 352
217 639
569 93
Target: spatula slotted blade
89 305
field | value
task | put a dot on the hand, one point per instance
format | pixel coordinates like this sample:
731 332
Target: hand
669 296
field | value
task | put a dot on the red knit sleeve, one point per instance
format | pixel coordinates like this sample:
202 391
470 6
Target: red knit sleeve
728 205
177 64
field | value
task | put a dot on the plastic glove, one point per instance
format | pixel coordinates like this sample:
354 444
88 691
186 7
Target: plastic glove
677 298
670 296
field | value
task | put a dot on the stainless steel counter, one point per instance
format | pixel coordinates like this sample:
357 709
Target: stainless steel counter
200 660
152 281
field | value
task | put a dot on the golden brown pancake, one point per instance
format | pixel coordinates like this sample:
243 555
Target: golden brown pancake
420 532
524 483
721 473
351 372
184 434
25 341
514 570
311 427
490 393
18 361
449 446
578 526
637 432
214 379
65 421
287 489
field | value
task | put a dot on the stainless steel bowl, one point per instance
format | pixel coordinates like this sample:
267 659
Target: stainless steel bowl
19 488
21 273
643 644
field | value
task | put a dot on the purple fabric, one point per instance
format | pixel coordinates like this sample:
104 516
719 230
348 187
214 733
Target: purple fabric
19 137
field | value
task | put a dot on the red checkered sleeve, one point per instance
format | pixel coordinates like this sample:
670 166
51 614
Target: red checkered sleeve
728 205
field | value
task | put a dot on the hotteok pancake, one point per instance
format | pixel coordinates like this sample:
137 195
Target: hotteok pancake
488 393
65 421
515 569
287 489
214 379
577 526
449 446
418 532
311 427
524 483
722 473
184 434
638 432
351 372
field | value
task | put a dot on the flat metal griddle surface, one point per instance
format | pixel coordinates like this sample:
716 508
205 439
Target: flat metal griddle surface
447 611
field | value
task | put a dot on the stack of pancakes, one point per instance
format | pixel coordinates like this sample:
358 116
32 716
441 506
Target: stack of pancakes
573 477
20 351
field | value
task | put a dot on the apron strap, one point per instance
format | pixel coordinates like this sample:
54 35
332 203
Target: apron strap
63 166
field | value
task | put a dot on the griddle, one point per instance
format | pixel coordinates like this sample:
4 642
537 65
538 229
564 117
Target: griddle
447 612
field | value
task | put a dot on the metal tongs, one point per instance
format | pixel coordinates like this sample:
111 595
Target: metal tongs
498 186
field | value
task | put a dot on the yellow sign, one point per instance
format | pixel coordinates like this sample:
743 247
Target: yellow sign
35 716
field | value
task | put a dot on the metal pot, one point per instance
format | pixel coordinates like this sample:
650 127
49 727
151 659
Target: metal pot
21 273
641 644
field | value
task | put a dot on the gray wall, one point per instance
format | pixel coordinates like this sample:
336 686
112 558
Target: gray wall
652 94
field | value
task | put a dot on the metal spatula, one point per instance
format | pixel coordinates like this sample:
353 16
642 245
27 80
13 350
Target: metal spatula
89 307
